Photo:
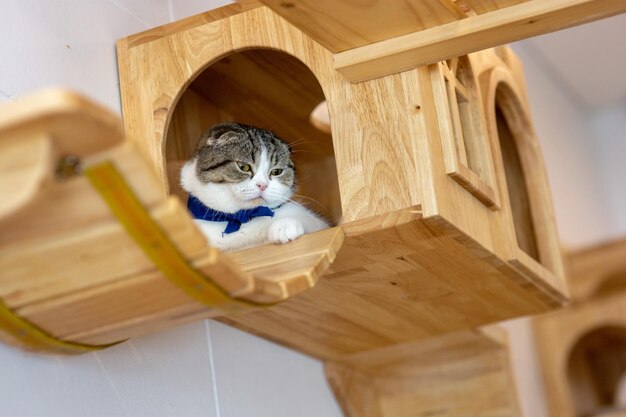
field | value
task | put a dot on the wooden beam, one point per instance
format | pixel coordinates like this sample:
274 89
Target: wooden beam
498 27
342 25
465 373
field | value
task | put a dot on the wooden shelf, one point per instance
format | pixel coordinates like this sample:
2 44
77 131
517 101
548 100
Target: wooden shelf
371 283
465 373
76 272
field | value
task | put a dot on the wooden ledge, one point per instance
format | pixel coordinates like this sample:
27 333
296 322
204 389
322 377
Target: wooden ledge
474 33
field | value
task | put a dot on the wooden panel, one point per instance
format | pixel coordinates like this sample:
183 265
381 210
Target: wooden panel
193 21
454 375
60 265
474 33
77 125
147 110
271 90
193 116
70 204
341 25
517 189
396 279
531 217
139 302
484 6
79 274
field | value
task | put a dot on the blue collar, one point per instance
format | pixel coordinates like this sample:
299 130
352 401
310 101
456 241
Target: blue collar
235 220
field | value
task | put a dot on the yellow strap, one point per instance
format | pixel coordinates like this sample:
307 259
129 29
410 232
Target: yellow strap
32 337
107 180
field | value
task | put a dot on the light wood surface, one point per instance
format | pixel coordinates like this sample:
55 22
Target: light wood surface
598 270
484 6
73 270
458 374
582 348
467 151
583 355
396 279
342 25
422 254
497 27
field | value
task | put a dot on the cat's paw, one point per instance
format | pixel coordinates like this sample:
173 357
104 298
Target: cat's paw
285 230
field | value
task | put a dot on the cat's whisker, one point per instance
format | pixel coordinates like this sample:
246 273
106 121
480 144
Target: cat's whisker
308 198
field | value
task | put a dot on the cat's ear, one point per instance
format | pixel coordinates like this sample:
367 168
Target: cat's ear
213 135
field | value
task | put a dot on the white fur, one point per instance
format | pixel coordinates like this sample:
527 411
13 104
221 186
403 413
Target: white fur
290 221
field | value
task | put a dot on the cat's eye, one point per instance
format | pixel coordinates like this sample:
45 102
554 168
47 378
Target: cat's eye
244 167
276 171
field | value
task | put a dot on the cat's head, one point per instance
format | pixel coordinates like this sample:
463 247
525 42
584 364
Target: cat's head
238 167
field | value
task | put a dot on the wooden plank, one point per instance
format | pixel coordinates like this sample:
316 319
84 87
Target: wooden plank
191 22
342 25
70 204
284 271
78 126
122 305
396 279
463 373
275 92
87 258
28 154
474 33
485 6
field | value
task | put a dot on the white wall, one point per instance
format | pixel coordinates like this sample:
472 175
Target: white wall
608 125
200 370
208 369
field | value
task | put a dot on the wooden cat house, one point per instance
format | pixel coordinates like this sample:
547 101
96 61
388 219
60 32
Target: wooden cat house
435 172
583 348
431 173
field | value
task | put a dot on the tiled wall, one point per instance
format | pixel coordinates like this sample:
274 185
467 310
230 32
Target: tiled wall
208 369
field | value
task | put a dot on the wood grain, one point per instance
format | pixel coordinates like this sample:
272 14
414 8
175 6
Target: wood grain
421 257
597 270
464 373
78 273
581 350
396 279
485 6
531 18
342 25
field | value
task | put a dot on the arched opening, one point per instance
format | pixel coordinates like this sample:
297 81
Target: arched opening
265 88
508 124
595 367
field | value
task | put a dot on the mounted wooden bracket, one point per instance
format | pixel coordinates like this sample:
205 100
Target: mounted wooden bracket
466 373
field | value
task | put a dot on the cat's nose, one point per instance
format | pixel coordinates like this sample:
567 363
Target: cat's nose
262 186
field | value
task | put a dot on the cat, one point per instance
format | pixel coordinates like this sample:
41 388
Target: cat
240 182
